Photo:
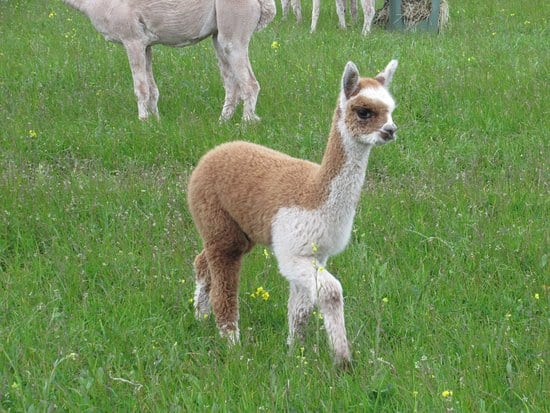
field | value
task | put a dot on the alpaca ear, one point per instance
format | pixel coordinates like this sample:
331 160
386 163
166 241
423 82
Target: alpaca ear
350 80
385 77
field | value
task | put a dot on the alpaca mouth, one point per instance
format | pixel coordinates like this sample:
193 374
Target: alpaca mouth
387 137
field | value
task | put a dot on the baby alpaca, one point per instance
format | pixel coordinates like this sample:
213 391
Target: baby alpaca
241 194
367 6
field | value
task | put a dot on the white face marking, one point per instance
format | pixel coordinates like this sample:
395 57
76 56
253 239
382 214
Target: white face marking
380 96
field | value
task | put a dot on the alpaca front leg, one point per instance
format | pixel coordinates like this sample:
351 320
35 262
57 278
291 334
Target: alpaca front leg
313 285
138 65
300 307
331 304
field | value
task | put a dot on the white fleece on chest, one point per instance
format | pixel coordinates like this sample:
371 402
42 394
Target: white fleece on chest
296 229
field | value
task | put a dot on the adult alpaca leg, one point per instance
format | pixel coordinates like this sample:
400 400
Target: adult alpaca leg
242 78
138 65
285 6
353 10
368 15
297 9
153 89
230 84
341 11
235 29
316 8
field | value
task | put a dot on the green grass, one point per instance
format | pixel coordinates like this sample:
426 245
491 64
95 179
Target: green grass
446 278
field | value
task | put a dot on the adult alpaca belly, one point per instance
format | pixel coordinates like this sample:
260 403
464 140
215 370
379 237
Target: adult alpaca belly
180 24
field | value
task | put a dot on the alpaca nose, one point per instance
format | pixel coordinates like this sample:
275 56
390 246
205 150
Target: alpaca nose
390 129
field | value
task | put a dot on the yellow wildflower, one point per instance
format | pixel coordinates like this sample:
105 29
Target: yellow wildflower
314 247
537 296
32 133
447 393
266 253
260 293
275 44
52 15
385 300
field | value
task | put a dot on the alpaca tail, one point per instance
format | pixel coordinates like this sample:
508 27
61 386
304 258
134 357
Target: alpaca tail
268 11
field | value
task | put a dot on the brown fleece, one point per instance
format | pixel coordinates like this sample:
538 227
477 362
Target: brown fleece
238 187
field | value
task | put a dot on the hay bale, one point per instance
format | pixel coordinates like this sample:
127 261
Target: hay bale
413 12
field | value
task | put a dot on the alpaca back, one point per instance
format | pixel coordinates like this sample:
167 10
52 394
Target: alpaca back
250 183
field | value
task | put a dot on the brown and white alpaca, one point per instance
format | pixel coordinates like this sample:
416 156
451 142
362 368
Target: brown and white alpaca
140 24
366 5
241 194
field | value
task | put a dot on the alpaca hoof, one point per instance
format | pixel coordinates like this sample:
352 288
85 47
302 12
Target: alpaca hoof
201 314
230 334
343 363
253 118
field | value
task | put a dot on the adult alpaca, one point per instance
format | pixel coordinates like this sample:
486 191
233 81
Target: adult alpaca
140 24
241 194
366 5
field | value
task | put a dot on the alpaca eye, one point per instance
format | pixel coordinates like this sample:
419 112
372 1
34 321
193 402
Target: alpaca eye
364 113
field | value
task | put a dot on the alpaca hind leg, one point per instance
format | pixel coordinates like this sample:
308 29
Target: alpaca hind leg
368 15
138 65
153 89
297 9
285 6
247 84
229 82
225 244
201 299
234 34
353 10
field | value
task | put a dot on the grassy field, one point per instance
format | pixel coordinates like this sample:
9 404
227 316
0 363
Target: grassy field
446 278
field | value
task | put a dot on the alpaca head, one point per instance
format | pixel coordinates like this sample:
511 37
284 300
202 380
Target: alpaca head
366 106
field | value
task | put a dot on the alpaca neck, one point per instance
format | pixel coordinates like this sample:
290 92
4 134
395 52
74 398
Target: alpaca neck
343 168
